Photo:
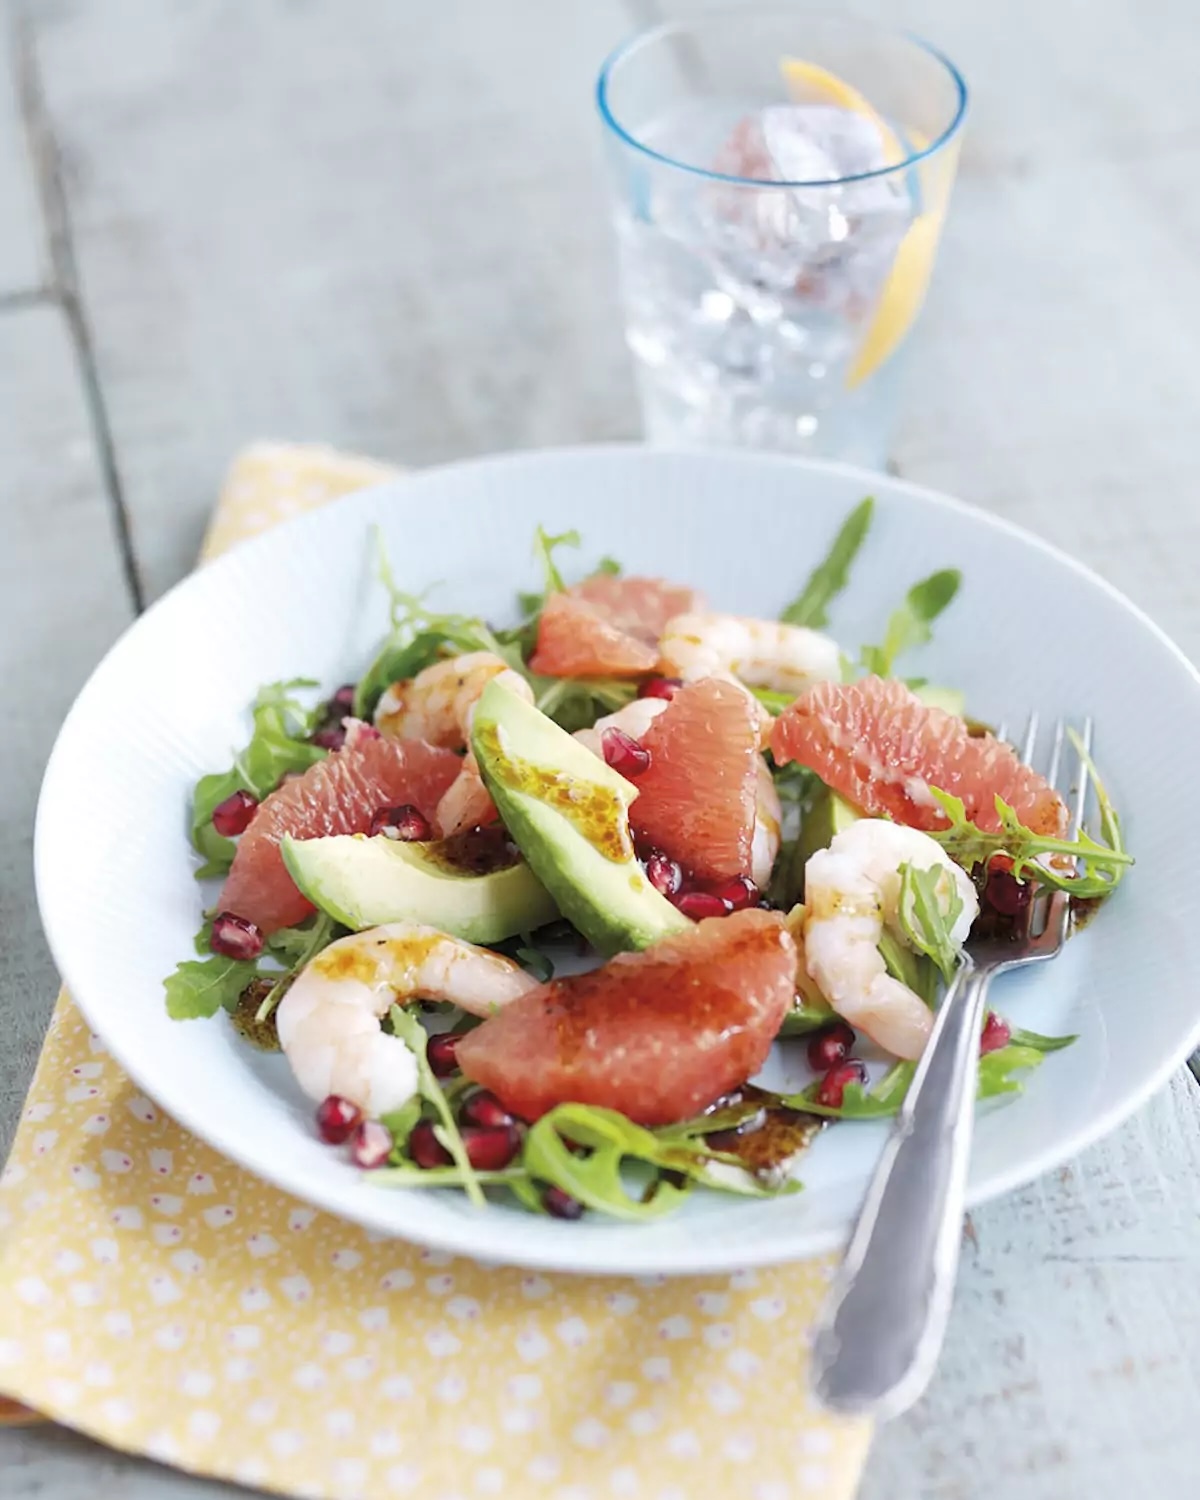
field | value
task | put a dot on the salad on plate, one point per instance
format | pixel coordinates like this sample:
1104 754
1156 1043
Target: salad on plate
527 908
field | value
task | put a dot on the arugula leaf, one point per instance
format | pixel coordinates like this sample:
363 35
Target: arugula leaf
538 963
200 987
773 701
413 1034
859 1103
804 1017
914 970
970 846
608 565
1025 1050
830 576
996 1070
279 744
925 924
544 547
1018 1037
910 624
577 702
418 637
400 1124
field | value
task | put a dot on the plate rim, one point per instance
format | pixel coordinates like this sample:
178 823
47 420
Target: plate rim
587 1255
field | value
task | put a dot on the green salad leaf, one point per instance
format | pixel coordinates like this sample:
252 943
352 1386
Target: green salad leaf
577 702
922 919
408 1028
1104 864
200 987
279 743
915 970
910 624
1025 1050
831 575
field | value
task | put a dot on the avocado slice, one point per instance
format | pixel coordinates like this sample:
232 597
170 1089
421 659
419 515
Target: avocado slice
827 815
362 882
949 699
568 812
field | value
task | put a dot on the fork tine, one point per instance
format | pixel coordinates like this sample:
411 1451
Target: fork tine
1079 808
1060 734
1031 732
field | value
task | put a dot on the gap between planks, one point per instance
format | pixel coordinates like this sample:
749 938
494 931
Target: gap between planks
64 287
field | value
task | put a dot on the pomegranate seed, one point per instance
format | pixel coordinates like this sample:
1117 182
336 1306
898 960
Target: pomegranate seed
830 1046
623 753
232 816
342 701
489 1147
425 1148
440 1054
561 1204
405 823
701 904
1005 894
358 733
485 1109
235 937
331 737
371 1144
996 1034
833 1085
663 874
660 687
337 1119
739 892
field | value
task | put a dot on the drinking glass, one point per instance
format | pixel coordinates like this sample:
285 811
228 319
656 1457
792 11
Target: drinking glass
780 179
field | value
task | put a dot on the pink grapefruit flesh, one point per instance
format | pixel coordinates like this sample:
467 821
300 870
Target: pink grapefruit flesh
878 746
658 1035
696 800
337 795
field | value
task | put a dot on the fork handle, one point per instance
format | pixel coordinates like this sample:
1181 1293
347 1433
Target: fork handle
882 1325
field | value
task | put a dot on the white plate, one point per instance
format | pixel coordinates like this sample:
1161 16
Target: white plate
1031 629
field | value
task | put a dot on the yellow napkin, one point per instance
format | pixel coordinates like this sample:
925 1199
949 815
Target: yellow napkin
163 1300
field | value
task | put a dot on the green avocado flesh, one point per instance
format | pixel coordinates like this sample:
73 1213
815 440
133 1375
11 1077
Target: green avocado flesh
827 815
949 699
363 882
568 813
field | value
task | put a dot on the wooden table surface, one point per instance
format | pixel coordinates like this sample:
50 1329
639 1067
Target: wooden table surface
383 226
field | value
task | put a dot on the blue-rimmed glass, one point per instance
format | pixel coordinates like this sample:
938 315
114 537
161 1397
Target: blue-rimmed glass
780 179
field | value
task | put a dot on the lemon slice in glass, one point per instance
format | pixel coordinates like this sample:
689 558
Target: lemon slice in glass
904 290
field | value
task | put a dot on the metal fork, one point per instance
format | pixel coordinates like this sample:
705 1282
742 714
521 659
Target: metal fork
880 1331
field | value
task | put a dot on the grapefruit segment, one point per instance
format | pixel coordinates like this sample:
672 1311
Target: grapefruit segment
658 1035
576 639
696 800
337 795
640 607
878 746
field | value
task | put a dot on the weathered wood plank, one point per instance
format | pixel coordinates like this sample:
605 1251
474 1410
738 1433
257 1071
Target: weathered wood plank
22 262
62 601
1072 1366
384 229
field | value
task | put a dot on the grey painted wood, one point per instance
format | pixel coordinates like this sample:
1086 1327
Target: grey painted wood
62 602
385 233
22 267
384 228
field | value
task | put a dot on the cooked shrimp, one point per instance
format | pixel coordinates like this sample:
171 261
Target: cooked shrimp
851 890
634 720
756 653
328 1020
768 818
438 705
